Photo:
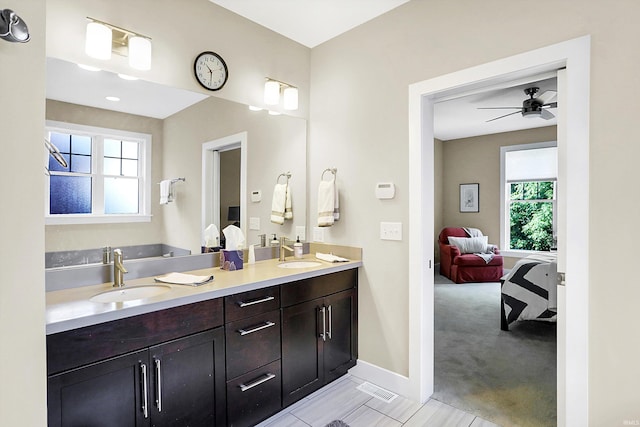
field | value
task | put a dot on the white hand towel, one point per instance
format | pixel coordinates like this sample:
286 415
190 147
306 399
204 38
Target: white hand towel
165 191
278 203
326 203
336 203
288 210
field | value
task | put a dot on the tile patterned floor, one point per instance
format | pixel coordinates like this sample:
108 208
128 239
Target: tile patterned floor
341 400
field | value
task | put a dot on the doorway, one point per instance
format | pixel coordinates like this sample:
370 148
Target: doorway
573 165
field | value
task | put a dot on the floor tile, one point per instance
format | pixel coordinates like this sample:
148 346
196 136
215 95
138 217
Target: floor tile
438 414
334 404
287 420
479 422
367 417
400 408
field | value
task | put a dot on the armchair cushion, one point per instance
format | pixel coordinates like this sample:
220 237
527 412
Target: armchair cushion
469 245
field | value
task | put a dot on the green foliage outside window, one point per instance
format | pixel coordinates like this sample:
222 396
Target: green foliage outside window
531 215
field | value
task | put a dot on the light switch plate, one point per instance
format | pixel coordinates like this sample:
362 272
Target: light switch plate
254 223
318 234
301 232
391 230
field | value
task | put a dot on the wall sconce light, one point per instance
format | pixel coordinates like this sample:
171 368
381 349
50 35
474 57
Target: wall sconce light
103 38
272 94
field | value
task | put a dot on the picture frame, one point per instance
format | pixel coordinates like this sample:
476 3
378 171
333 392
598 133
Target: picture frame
470 197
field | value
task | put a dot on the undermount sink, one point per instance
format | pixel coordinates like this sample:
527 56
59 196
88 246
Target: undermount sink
130 293
299 264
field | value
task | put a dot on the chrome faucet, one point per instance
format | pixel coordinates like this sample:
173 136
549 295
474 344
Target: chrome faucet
118 269
283 247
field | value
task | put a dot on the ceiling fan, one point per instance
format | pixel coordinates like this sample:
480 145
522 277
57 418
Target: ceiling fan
532 107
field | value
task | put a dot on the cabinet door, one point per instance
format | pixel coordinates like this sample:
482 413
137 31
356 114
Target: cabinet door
340 347
301 350
104 394
187 381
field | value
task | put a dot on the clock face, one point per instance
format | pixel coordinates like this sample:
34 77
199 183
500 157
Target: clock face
210 70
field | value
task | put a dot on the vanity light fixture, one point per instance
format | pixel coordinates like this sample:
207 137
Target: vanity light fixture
102 39
112 98
88 67
272 90
126 77
254 108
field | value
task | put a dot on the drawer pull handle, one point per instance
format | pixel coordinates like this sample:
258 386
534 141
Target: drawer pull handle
266 325
258 301
158 385
323 334
264 379
145 394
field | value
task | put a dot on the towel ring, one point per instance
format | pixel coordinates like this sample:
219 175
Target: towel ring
286 175
334 171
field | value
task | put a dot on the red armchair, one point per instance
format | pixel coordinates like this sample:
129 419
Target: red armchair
466 267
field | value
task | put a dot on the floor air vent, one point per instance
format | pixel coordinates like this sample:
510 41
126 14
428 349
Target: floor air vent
377 392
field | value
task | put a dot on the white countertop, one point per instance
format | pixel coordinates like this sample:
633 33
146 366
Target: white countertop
71 308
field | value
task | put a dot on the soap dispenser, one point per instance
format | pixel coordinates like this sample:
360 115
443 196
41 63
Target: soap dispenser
297 249
274 241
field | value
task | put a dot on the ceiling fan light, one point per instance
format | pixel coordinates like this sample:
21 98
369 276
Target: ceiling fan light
140 53
98 41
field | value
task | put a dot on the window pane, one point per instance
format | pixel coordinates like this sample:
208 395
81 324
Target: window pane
70 194
120 196
129 167
531 225
129 150
57 167
111 148
61 141
81 144
111 166
80 164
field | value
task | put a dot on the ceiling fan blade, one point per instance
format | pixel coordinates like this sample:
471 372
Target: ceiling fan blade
551 105
546 114
510 114
547 96
499 108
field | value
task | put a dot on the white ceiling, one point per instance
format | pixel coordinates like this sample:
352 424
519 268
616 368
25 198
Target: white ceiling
309 22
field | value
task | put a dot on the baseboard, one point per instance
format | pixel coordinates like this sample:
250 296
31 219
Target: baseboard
381 377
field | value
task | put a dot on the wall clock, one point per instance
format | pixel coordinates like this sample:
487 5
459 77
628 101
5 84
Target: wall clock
210 70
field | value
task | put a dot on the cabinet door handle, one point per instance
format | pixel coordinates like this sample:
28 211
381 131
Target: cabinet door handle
258 301
145 407
257 382
266 324
158 385
323 335
329 331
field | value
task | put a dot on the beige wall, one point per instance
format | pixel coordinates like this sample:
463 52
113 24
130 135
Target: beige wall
22 352
477 160
229 183
359 109
90 236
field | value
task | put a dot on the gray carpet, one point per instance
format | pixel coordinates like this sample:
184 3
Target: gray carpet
508 378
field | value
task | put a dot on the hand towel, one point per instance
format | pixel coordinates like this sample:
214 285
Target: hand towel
326 203
184 279
288 210
336 203
330 257
278 203
165 191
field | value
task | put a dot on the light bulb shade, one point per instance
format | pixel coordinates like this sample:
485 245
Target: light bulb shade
290 98
140 53
271 92
98 41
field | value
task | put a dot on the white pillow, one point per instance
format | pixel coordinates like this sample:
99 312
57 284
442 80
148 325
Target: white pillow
470 245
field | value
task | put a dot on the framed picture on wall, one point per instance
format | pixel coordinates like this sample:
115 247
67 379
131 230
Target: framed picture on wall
470 197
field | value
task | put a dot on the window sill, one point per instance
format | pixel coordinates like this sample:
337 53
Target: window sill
513 253
94 219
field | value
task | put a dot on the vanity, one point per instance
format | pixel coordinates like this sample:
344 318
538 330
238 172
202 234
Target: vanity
228 353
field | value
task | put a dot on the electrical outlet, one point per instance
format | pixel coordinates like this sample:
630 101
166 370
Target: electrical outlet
318 234
254 223
391 230
301 232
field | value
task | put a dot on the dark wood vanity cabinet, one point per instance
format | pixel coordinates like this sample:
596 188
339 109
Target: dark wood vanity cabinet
319 332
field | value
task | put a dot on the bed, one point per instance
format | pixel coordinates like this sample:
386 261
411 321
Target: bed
529 290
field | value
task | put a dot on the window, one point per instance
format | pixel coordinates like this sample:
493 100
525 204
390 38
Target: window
528 197
107 178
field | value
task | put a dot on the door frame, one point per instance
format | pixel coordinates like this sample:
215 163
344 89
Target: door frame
573 123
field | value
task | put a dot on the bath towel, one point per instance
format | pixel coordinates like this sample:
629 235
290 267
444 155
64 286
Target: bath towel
165 191
288 209
326 203
278 203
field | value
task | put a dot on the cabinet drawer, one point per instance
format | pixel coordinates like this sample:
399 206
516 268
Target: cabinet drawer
246 304
317 287
252 342
254 396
